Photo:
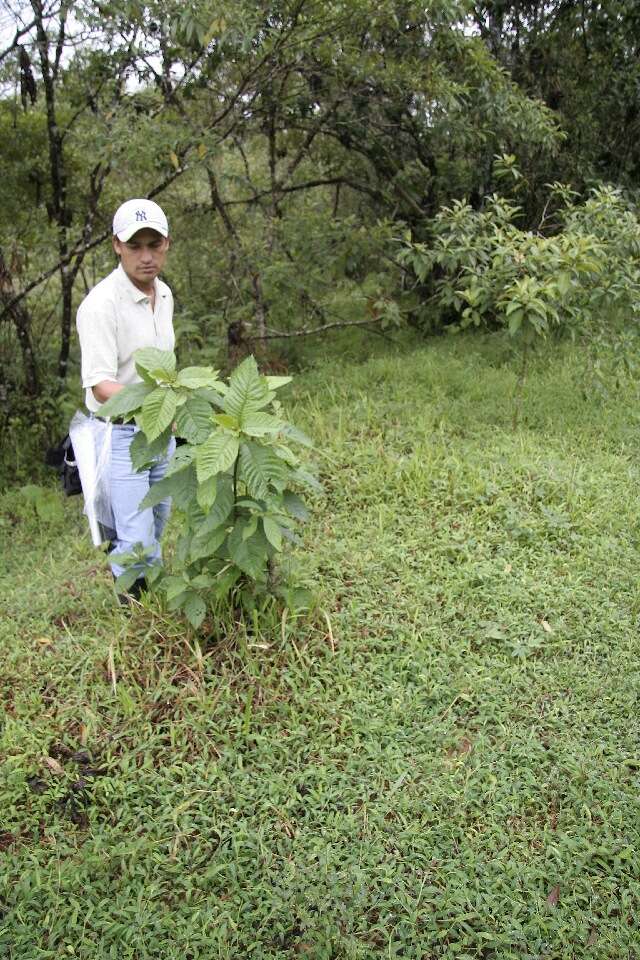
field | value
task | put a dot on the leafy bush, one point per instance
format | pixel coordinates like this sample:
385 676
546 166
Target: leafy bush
232 481
578 270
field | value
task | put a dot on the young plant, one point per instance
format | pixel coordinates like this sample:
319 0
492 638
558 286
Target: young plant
232 482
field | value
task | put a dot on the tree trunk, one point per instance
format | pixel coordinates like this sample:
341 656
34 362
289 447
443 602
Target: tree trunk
58 176
22 322
67 277
236 332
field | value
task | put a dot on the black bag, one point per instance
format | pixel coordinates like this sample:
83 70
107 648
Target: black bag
62 458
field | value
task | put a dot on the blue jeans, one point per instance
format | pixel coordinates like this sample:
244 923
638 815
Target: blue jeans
135 527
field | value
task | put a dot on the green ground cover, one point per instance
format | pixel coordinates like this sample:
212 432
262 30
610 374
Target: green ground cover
443 760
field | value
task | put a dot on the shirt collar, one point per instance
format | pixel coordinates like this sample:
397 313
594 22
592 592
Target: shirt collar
134 292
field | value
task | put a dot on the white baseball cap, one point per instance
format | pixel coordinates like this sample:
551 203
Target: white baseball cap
134 215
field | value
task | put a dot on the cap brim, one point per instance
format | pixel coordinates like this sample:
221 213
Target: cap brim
128 232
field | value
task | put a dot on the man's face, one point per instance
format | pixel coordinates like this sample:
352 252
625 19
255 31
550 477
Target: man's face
142 256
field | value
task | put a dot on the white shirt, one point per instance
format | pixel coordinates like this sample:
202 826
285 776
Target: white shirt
114 320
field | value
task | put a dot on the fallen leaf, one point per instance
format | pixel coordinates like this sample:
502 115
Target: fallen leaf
554 896
52 765
44 641
546 626
593 937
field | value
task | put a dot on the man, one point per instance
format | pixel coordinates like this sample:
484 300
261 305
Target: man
130 309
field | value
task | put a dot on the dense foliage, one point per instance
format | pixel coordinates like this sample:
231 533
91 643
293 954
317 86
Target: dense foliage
583 272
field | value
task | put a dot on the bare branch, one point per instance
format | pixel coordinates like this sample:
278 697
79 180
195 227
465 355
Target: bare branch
64 9
307 332
309 184
18 34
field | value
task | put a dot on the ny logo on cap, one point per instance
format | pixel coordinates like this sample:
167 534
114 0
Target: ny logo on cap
141 215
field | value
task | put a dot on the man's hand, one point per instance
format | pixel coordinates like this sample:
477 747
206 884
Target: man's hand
105 389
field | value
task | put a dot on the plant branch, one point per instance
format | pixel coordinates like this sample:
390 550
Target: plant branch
309 332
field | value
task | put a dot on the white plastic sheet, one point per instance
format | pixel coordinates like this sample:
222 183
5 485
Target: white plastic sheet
91 439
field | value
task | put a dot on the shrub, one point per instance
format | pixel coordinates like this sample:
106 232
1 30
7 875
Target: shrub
233 482
579 269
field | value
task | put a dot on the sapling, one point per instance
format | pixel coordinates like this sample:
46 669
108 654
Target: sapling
232 482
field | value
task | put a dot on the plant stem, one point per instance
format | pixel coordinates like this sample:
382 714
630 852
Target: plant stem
235 485
519 387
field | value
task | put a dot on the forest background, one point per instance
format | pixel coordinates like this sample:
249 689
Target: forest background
438 164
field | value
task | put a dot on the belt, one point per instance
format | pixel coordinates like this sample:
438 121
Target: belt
116 421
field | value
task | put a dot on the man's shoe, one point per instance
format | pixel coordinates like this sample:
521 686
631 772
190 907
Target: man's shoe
133 593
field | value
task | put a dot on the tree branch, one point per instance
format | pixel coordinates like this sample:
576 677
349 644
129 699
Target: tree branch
19 33
307 185
307 332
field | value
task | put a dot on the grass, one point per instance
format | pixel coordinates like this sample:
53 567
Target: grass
442 762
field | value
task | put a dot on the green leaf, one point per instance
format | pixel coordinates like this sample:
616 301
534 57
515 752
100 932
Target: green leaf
206 546
207 493
158 411
195 377
251 504
182 458
174 586
154 572
247 392
259 467
143 453
220 510
211 396
203 581
126 400
293 433
216 455
273 532
227 421
515 321
260 424
194 608
308 480
249 555
274 383
158 364
225 581
285 454
563 282
250 528
183 546
194 420
126 579
294 505
176 601
180 486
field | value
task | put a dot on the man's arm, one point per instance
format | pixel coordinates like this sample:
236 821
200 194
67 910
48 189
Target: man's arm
105 389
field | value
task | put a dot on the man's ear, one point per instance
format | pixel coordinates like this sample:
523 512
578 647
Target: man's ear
116 246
